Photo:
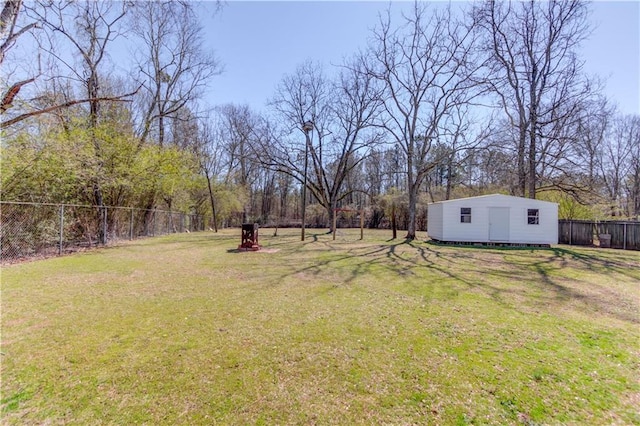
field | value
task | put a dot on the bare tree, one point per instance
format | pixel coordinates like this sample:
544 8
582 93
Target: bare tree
632 182
342 113
173 65
87 28
207 148
88 39
173 68
462 136
426 66
239 125
9 35
223 149
619 165
534 71
592 129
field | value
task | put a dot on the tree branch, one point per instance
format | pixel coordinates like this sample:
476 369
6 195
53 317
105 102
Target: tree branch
24 116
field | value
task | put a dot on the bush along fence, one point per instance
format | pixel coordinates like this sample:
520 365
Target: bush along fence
30 230
615 234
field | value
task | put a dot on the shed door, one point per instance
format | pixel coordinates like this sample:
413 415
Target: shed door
498 223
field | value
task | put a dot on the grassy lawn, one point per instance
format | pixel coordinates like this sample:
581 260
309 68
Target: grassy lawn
186 330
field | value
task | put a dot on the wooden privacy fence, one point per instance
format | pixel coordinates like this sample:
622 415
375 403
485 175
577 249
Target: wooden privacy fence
624 235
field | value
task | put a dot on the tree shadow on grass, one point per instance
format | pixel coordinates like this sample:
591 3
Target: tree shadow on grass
515 277
556 287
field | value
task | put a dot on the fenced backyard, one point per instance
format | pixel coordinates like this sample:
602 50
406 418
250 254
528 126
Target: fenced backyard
31 230
38 230
186 329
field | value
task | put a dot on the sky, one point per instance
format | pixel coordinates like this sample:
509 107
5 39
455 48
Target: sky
260 41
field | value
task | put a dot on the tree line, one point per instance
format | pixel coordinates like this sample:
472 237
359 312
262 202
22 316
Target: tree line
443 102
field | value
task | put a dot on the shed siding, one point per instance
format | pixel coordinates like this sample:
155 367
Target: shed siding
454 230
546 232
434 224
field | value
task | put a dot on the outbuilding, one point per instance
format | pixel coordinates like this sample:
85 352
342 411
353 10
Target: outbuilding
493 218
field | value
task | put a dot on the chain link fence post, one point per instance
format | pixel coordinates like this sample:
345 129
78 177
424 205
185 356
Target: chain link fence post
131 226
104 226
61 240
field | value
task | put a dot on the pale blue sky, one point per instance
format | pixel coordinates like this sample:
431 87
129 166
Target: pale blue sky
260 41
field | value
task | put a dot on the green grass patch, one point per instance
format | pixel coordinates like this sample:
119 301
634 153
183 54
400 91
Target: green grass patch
186 330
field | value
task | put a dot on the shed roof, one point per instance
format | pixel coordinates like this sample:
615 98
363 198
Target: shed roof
501 196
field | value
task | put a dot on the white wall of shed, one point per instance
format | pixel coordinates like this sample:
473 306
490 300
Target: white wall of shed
520 232
434 221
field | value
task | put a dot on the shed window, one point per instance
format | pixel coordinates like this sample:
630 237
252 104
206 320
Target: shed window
533 216
465 215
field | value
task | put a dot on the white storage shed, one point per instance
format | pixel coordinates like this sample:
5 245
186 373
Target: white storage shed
493 218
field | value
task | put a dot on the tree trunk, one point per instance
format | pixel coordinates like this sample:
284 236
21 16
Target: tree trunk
99 203
522 174
532 162
413 196
331 209
636 194
213 204
394 223
533 129
449 176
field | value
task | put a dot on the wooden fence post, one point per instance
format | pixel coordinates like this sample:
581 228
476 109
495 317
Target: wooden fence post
570 231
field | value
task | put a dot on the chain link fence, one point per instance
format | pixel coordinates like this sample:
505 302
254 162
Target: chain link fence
30 230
